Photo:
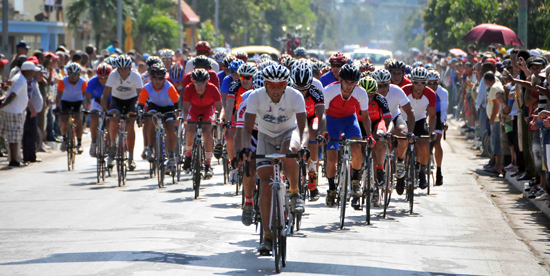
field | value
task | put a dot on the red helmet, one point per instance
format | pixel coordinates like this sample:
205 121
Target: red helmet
242 56
203 46
104 69
338 58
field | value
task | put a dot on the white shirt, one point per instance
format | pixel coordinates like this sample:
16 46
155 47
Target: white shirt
19 87
317 83
396 98
443 96
189 66
14 71
124 89
276 118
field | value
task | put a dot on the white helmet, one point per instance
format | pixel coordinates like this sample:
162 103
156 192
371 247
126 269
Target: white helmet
382 76
73 68
166 53
276 73
265 57
419 73
265 64
123 61
247 69
432 75
258 80
302 75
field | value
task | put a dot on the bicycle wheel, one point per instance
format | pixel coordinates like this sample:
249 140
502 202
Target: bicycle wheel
370 183
120 160
179 155
159 158
429 172
276 231
225 169
412 178
197 167
239 181
69 147
389 183
344 193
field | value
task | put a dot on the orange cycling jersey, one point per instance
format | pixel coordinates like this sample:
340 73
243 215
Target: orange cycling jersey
236 90
378 109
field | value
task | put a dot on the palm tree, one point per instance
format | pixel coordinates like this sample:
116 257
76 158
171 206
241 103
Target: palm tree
154 26
102 14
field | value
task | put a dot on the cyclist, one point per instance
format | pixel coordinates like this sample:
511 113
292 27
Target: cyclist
161 97
200 99
281 115
341 101
94 90
397 102
219 58
203 49
317 67
442 102
176 77
302 77
397 70
225 68
203 62
125 86
317 83
167 57
70 92
422 99
300 53
336 60
145 80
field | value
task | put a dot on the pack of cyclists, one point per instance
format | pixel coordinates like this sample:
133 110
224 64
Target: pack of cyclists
293 105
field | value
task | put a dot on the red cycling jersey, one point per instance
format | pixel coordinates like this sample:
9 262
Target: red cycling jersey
404 82
213 78
378 109
338 107
204 102
313 98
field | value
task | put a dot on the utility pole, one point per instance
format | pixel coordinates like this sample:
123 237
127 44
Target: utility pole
522 22
119 22
216 18
179 23
5 35
194 29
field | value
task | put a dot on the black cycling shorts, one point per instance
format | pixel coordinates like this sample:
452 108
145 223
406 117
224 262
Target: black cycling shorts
124 106
70 106
162 109
421 128
438 123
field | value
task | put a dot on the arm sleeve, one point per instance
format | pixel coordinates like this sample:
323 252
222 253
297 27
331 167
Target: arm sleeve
363 99
143 96
252 104
172 92
84 85
299 103
430 94
61 85
137 78
240 115
385 108
111 80
187 93
225 84
214 78
443 103
217 95
403 99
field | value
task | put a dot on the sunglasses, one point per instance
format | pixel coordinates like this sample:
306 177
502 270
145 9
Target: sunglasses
159 79
336 65
419 82
433 83
276 85
246 77
383 85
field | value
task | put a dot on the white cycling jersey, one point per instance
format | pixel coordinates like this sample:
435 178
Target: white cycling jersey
396 98
276 118
124 89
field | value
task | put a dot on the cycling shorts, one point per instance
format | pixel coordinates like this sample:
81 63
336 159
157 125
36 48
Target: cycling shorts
208 114
270 145
399 120
123 106
438 124
70 106
95 106
421 128
153 108
336 126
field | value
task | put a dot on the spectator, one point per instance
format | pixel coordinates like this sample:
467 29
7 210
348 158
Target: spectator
18 62
30 129
493 107
91 51
112 48
48 8
59 10
12 111
22 49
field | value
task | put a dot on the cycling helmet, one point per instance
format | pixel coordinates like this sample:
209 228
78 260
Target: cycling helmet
276 73
387 62
429 66
300 51
264 64
234 66
338 58
124 61
227 60
202 62
73 68
242 56
283 56
104 69
111 60
408 69
317 66
366 66
166 54
258 80
152 60
408 76
432 75
302 75
158 71
349 72
220 56
418 64
202 46
396 65
265 57
419 73
369 84
176 72
382 76
366 74
200 75
247 69
325 69
288 62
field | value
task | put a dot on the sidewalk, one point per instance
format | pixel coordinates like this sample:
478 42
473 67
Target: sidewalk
543 206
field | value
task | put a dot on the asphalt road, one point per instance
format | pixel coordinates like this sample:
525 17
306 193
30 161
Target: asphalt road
55 222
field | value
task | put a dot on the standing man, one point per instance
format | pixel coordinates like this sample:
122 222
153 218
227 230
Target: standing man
12 111
22 49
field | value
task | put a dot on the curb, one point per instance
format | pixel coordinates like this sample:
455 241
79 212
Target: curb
520 185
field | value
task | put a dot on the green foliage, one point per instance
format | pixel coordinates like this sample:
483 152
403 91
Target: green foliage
154 29
447 21
207 32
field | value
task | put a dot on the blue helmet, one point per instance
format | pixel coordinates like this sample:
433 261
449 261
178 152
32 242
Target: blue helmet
408 69
235 64
300 50
176 72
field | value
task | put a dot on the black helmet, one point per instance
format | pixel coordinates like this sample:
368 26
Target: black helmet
396 65
349 72
202 62
200 75
158 70
152 60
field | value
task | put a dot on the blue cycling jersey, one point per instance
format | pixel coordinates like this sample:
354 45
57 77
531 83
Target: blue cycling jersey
96 89
226 83
327 78
221 75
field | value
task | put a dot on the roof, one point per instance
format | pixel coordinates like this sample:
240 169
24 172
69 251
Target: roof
188 16
260 49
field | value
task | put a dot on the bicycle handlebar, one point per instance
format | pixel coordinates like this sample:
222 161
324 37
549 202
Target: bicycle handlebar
114 115
268 156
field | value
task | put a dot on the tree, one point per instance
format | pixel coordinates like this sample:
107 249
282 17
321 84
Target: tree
102 14
207 32
154 28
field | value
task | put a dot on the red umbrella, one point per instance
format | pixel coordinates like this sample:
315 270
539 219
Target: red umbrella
492 33
457 52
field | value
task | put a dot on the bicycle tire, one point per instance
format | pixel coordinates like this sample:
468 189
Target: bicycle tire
239 181
369 186
159 159
73 151
197 168
179 155
276 230
98 155
344 196
413 178
69 147
428 173
389 181
119 159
